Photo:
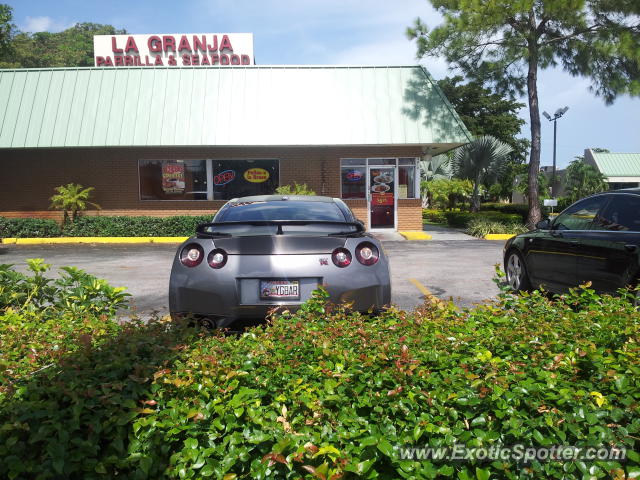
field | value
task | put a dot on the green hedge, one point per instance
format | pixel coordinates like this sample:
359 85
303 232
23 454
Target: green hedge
28 227
322 393
522 210
462 219
99 226
433 215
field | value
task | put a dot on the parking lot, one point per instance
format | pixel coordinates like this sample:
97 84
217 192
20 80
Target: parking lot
451 266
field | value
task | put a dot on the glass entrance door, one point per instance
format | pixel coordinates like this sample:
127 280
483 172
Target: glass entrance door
382 197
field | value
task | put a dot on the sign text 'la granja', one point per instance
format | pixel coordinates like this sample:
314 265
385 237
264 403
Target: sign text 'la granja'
173 50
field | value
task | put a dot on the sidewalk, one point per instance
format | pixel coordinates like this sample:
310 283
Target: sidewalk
441 233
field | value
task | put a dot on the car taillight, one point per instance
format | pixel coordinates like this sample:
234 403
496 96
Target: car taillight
217 258
341 257
191 255
367 253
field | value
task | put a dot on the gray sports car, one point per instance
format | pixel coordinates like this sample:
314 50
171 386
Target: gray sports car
274 250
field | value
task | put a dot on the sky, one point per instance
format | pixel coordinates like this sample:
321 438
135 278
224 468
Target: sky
345 32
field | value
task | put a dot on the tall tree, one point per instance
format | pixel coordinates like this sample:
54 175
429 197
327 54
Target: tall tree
507 43
486 112
72 47
481 161
7 30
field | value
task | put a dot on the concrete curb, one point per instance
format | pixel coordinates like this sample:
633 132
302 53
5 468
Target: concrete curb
416 235
71 240
499 236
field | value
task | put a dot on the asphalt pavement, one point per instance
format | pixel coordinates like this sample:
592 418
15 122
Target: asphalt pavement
450 266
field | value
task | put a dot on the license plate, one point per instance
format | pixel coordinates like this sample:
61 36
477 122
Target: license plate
279 289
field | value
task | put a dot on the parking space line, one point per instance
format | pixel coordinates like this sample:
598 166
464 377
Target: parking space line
426 292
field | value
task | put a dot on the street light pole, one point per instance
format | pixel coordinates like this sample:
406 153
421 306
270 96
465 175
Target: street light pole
559 113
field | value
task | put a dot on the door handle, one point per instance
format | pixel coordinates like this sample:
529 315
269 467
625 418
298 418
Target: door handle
631 248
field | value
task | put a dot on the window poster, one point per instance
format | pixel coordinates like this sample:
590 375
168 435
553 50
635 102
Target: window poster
173 178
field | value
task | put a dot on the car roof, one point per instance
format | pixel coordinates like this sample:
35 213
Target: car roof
280 198
635 191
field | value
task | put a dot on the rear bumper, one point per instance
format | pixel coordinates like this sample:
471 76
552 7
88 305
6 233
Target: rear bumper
204 302
232 293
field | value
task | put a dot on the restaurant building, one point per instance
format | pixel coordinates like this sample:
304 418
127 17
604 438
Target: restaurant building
179 140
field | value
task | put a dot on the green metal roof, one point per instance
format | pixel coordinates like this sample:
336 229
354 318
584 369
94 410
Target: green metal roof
618 164
226 106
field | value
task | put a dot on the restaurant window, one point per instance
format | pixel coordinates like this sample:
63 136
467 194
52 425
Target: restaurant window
173 179
353 177
353 182
242 178
407 181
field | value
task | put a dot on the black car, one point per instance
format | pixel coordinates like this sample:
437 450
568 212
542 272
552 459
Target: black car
597 240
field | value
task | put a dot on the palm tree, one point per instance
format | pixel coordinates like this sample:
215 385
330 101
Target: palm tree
482 161
582 179
72 197
436 168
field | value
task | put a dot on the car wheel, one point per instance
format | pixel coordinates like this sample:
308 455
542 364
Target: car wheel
516 271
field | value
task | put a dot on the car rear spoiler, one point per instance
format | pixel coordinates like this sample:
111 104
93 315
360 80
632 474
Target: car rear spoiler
202 233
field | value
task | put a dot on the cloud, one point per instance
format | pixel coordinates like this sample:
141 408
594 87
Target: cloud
44 24
391 51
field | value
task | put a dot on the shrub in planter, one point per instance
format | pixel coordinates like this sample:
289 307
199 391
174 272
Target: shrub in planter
462 219
28 227
479 227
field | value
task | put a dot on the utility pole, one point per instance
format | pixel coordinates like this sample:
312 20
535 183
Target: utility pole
559 113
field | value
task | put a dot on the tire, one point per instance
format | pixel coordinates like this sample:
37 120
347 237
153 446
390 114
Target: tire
516 270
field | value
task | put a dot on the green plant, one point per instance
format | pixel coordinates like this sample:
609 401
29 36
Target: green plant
73 291
446 193
482 161
72 197
479 227
177 226
295 189
323 392
462 219
582 179
28 227
433 216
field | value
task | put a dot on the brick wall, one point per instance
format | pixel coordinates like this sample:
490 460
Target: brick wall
30 176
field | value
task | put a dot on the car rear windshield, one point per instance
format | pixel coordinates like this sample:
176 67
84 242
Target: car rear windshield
281 210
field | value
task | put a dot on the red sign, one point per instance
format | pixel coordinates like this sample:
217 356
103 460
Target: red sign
224 177
173 50
354 175
382 198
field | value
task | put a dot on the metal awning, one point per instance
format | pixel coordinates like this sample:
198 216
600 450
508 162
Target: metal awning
225 106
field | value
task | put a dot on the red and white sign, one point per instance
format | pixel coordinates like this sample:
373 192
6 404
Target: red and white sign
173 50
173 178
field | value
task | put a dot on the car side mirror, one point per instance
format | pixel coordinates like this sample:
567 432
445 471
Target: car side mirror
544 224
